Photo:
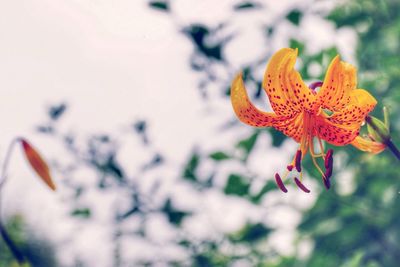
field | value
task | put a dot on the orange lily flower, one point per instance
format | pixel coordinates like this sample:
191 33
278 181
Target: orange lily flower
335 113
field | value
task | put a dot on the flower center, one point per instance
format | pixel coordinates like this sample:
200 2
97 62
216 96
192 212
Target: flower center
307 144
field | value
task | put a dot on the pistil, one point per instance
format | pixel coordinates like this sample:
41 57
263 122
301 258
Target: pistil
307 144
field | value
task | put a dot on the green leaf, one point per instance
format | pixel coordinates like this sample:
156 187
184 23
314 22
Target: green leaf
174 215
251 233
295 16
160 5
246 73
248 144
277 138
219 155
237 185
355 260
84 213
190 169
246 5
269 186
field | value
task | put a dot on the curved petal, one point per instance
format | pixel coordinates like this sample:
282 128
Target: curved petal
361 103
342 127
285 89
340 80
292 127
368 145
335 134
246 111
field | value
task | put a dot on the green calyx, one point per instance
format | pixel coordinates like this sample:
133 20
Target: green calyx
378 129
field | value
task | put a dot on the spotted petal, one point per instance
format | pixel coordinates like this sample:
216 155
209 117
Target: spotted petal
246 111
286 90
360 104
292 127
335 134
342 127
340 80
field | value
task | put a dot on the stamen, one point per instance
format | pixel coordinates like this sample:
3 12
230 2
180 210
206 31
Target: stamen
317 166
298 160
328 173
280 184
329 159
329 167
314 85
289 167
329 163
301 186
313 157
327 183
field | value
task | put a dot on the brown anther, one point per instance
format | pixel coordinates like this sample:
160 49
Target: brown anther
280 184
301 186
314 85
289 167
328 173
328 164
327 183
298 160
329 158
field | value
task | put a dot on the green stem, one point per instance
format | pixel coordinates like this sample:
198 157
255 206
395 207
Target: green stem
393 148
3 232
13 248
3 176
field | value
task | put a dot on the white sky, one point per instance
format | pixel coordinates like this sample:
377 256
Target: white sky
117 61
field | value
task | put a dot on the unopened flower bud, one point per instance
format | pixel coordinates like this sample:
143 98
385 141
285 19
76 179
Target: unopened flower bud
377 129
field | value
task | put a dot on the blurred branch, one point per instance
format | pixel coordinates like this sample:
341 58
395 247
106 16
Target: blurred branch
3 177
7 239
13 248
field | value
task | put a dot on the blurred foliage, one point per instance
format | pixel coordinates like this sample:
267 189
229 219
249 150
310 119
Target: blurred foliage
295 16
14 228
237 185
361 228
347 229
246 6
37 251
84 213
250 233
160 5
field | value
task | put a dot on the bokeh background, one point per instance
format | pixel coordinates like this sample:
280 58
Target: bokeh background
129 103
